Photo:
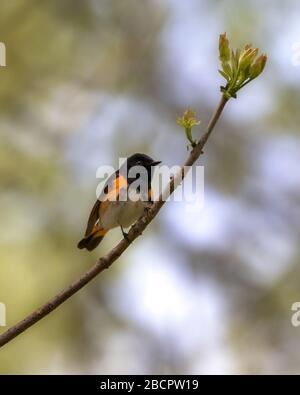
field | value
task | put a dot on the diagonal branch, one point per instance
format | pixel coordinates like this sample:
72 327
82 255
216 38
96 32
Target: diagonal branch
105 262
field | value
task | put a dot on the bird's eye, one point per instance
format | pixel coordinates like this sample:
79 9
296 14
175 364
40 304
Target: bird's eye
139 163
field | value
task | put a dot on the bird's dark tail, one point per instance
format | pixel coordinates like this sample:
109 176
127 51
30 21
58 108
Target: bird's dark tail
91 241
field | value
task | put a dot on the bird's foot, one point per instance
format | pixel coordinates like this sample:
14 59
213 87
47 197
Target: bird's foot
147 208
125 235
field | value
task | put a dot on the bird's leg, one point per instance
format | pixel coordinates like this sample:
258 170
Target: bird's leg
147 207
125 235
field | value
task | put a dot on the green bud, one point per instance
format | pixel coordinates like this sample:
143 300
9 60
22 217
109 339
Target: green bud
257 68
227 69
238 67
224 50
235 56
188 121
247 58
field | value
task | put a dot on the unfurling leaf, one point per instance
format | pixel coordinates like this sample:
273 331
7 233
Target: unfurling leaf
238 67
187 122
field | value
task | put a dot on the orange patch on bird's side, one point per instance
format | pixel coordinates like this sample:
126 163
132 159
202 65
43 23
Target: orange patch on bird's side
120 183
114 190
97 231
101 232
113 194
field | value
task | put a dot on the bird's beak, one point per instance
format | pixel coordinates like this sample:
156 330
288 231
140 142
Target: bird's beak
155 163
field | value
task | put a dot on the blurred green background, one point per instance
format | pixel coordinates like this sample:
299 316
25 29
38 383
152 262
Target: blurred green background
206 292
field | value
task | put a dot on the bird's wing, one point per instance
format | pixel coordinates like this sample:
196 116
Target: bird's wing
93 218
110 193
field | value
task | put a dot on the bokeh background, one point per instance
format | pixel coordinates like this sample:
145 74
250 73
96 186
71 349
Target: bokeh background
200 292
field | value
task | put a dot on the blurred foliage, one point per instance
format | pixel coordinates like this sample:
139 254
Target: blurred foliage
89 81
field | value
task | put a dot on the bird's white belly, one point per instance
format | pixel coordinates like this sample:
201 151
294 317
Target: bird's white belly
131 212
122 213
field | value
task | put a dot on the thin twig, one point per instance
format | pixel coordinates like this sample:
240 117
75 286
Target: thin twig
104 262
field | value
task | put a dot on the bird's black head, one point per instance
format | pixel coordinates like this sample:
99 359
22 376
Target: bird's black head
141 160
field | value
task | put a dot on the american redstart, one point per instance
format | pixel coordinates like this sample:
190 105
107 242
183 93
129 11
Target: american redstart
123 200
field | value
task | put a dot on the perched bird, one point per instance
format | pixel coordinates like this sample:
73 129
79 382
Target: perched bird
123 200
